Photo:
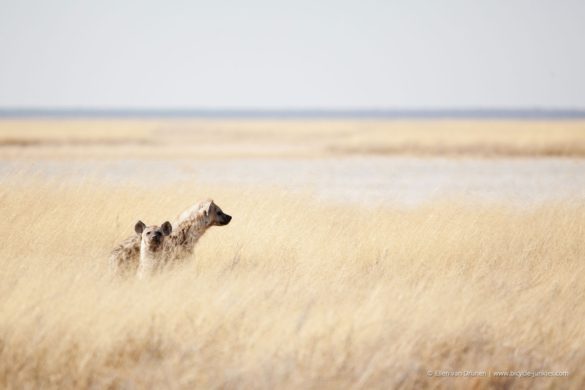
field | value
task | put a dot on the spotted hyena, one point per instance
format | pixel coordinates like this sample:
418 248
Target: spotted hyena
186 231
151 247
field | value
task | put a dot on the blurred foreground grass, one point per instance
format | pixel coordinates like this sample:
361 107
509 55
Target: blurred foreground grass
292 294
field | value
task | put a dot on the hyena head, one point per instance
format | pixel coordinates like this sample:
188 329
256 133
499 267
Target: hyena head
153 236
215 215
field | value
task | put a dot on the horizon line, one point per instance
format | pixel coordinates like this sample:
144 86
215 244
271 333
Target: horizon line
292 113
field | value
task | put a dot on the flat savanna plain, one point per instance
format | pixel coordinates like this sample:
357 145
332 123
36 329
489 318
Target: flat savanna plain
183 138
295 292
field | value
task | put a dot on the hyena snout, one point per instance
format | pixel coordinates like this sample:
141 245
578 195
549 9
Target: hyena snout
224 219
156 237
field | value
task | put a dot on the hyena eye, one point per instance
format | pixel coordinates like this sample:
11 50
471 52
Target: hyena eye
148 233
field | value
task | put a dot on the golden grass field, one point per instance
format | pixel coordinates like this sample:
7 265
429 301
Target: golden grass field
295 292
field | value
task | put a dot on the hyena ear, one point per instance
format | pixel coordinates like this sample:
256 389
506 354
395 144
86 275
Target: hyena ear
139 227
207 207
166 228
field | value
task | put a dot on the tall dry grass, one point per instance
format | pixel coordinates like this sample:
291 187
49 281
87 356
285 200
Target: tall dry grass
292 294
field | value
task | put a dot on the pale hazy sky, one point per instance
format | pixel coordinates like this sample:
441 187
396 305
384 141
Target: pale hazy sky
292 54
